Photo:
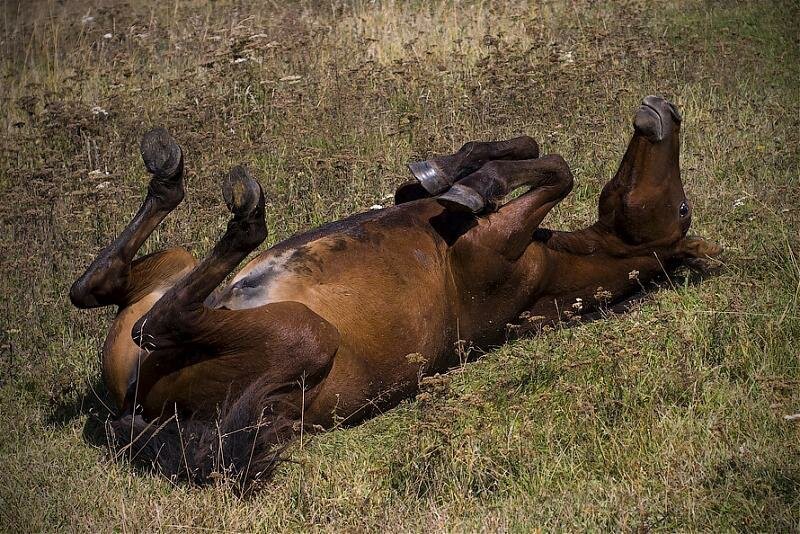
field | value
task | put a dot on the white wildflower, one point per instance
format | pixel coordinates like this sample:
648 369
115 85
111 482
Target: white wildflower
97 111
239 60
739 202
578 305
376 207
602 294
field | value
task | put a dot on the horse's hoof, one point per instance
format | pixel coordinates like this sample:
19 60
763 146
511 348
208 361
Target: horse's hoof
161 154
430 176
409 192
241 192
462 198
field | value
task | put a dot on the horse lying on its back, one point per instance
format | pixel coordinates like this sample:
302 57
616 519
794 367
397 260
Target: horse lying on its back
323 323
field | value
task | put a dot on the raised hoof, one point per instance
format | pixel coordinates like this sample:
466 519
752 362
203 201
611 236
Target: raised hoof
462 198
161 154
241 192
430 176
409 192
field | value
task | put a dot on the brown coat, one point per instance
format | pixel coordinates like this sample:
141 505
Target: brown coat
343 321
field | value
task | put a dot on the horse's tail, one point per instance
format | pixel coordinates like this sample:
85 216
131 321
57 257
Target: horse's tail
243 444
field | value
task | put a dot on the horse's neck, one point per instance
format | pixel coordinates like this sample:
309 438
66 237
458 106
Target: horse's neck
589 262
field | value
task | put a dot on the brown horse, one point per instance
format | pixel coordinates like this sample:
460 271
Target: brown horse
342 321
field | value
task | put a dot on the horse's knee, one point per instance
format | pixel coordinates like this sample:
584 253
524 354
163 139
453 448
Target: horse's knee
559 176
529 145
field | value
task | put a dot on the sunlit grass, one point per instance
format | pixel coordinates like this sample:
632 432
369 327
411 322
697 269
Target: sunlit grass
670 417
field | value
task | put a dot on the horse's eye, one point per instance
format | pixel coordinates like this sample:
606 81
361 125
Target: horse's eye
684 209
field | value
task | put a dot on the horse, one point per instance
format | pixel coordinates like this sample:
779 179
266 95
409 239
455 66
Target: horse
340 323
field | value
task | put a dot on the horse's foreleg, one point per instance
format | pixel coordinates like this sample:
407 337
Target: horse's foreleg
437 174
510 229
112 277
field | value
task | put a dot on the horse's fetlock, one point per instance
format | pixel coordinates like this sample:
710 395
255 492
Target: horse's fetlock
166 195
247 234
468 147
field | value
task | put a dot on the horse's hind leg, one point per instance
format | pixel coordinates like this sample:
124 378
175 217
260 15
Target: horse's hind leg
196 354
114 277
170 327
437 174
246 230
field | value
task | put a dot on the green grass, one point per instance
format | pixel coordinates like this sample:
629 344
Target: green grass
669 417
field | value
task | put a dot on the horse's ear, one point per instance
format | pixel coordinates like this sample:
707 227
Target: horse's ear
699 253
698 247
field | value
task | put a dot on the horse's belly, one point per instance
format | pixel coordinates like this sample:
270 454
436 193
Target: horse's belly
389 292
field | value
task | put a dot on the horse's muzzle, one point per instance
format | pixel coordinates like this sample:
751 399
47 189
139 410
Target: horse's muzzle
656 118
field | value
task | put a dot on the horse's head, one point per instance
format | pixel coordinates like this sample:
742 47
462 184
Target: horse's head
645 205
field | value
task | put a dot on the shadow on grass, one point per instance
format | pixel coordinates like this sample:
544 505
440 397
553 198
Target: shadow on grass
680 276
95 403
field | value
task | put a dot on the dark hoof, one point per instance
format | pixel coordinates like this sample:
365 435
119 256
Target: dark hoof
430 176
161 154
462 198
241 192
409 192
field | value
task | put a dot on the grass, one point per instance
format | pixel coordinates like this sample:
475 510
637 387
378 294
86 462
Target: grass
667 418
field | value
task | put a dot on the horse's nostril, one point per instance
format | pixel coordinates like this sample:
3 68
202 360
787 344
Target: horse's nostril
660 105
675 113
648 122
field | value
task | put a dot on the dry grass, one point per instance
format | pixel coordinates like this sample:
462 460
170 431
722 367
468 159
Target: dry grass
669 418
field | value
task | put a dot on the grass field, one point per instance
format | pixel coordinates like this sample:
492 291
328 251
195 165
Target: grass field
670 417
